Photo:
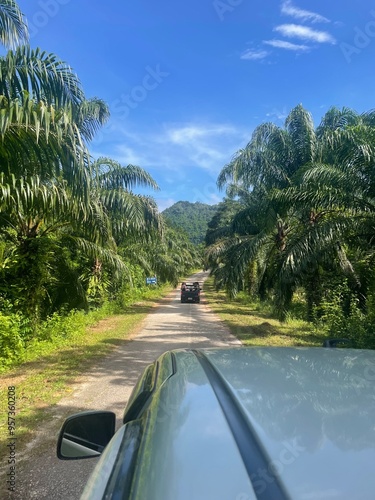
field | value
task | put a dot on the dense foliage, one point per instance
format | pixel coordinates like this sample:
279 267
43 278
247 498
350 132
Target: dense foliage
73 233
300 216
193 218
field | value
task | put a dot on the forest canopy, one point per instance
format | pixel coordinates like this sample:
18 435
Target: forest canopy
193 218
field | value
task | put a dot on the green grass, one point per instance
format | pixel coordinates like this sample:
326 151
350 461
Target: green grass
51 367
254 324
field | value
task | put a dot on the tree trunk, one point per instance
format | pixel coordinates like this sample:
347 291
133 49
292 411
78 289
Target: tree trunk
313 292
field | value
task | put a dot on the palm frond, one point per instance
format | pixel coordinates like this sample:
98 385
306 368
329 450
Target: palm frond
13 28
33 74
110 174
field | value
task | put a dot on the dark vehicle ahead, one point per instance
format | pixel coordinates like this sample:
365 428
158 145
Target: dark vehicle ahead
191 292
242 423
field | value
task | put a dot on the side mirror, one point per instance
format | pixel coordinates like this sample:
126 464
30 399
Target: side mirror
85 435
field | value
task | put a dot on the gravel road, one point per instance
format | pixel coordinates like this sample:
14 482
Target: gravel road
40 475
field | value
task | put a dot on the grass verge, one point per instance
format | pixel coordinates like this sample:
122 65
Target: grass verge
49 371
254 324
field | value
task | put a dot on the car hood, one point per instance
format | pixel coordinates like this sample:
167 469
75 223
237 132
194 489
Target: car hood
311 411
247 424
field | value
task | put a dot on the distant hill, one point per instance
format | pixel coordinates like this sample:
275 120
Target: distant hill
191 217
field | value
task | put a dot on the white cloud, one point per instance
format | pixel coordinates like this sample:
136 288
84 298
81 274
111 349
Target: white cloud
305 33
304 15
175 147
189 133
279 114
282 44
203 145
254 55
184 158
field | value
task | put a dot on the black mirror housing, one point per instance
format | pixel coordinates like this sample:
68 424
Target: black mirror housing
85 435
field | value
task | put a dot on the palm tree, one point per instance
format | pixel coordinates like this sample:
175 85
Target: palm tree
45 176
13 28
45 216
336 194
45 124
45 119
61 213
273 155
130 215
258 233
298 206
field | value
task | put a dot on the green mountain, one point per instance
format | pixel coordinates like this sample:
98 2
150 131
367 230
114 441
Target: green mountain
191 217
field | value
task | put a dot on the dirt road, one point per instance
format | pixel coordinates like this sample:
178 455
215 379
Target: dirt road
40 475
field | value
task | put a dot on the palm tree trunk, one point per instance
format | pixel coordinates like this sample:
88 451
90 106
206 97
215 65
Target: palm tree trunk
313 291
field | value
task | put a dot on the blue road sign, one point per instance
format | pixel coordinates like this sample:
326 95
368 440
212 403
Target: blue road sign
151 281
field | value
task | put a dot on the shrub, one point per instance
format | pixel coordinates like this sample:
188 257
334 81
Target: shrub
341 317
13 330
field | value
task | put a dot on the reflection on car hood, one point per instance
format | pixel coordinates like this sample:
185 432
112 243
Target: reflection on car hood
312 412
249 423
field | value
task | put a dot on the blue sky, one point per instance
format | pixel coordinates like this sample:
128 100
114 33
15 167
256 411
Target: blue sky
188 81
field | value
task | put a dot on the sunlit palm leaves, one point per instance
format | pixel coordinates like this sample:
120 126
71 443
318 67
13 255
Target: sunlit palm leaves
52 194
307 202
13 29
131 215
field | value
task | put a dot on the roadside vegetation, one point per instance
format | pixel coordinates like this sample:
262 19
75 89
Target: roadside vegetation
298 222
255 323
74 344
